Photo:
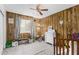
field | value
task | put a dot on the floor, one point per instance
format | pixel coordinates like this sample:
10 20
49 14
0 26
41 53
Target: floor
36 48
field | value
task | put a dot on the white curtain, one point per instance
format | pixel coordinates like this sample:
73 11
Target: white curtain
17 25
25 26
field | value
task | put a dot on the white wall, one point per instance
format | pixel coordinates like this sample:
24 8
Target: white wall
2 29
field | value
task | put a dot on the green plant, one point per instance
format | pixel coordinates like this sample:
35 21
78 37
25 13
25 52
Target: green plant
8 43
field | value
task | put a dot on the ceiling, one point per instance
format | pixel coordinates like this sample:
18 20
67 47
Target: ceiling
25 9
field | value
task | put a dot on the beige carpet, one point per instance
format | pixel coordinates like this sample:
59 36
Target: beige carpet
36 48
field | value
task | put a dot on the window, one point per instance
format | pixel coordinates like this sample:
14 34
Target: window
25 26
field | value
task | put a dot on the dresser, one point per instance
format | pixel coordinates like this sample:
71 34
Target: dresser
49 36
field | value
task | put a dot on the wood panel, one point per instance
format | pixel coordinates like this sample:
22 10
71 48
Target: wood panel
70 21
77 23
11 27
77 15
65 24
74 20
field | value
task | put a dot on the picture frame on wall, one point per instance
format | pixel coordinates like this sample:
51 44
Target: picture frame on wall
11 20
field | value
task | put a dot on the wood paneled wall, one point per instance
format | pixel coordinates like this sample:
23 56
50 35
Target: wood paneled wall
11 27
70 18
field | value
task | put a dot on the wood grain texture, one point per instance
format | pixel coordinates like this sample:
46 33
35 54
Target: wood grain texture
70 21
11 27
70 18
